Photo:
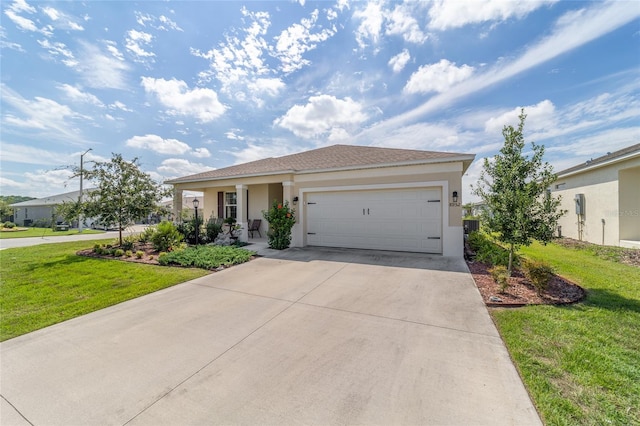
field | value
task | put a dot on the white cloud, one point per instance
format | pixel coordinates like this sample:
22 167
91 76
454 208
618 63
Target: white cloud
59 50
112 47
158 144
371 19
254 151
401 21
598 20
437 77
41 114
539 117
134 42
201 153
398 62
454 14
21 22
25 154
119 105
159 23
298 39
175 94
75 94
233 135
320 115
61 20
100 70
172 168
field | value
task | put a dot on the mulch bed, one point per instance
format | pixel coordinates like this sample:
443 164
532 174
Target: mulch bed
149 257
521 292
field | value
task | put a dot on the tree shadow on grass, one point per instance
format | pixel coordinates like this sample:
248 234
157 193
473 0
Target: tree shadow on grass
69 259
606 299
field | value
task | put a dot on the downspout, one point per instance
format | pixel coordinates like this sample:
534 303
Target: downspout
603 223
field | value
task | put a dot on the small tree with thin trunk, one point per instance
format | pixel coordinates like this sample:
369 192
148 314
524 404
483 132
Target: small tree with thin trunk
123 193
515 189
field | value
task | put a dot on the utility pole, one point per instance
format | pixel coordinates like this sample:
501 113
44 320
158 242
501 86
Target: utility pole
80 198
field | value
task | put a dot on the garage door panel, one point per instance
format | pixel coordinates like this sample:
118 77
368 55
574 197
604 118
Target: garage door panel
403 220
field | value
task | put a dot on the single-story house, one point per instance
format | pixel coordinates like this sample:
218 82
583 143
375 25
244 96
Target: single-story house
42 211
346 196
602 197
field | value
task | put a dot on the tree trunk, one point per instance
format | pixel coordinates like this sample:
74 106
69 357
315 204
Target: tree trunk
511 248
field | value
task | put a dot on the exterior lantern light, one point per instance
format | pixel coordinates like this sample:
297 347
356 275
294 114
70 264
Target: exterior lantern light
196 203
295 200
455 196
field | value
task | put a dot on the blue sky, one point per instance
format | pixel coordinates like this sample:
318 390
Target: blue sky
188 86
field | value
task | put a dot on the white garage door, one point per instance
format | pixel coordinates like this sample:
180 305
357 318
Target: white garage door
398 219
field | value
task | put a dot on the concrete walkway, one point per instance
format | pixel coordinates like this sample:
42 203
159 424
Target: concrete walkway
300 337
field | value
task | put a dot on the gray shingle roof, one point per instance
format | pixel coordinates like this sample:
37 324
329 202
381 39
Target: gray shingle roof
52 200
327 158
604 159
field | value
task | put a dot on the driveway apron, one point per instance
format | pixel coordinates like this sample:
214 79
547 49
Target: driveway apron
303 336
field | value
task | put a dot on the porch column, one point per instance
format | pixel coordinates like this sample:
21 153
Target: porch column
243 221
287 195
177 204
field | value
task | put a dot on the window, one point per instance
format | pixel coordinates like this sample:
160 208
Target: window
231 205
26 213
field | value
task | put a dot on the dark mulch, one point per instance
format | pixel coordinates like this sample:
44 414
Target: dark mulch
520 291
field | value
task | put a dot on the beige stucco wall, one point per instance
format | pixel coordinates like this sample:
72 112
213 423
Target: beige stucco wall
629 201
605 199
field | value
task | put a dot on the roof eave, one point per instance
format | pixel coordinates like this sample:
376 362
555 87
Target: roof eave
586 168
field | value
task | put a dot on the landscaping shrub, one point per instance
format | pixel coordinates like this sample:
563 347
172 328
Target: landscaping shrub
139 254
206 257
118 253
166 237
128 253
488 251
128 242
9 225
539 273
188 231
500 276
146 235
281 219
213 229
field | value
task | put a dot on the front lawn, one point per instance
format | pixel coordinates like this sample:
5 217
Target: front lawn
581 363
41 232
46 284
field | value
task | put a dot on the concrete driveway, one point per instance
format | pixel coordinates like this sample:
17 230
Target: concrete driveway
304 336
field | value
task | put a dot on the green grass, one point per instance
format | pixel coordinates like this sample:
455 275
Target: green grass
581 363
46 284
43 232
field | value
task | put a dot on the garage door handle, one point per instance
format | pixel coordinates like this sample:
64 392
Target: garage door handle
433 201
311 233
433 238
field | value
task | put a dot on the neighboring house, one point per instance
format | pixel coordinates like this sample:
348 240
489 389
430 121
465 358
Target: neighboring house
42 211
346 196
187 209
602 197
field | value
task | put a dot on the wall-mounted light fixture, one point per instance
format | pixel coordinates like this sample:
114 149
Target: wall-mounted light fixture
455 196
295 200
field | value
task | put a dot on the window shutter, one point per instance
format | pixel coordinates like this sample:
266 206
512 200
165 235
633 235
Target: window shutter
221 204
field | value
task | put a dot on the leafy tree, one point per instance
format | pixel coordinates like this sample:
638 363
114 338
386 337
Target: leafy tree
514 188
69 211
123 193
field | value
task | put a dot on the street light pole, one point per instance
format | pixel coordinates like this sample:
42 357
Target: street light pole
80 198
196 203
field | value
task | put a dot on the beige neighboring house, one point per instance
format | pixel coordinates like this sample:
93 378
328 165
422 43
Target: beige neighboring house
346 196
602 197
